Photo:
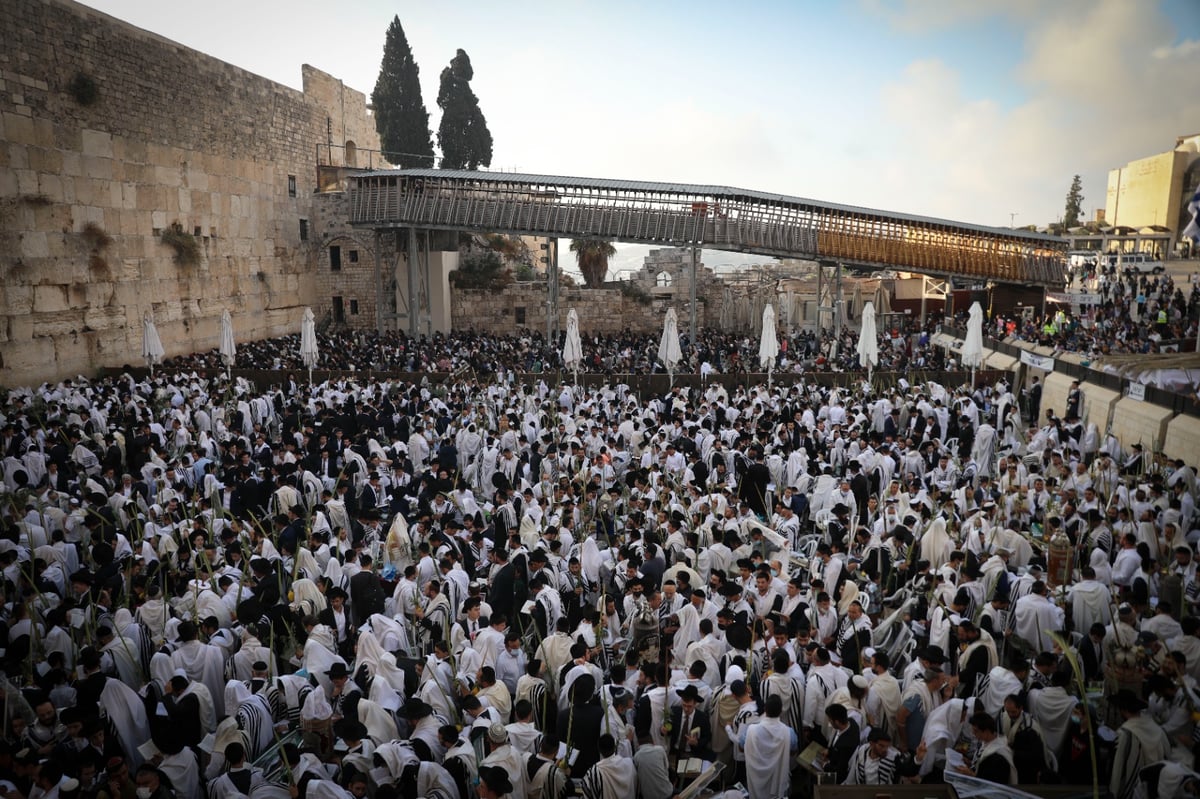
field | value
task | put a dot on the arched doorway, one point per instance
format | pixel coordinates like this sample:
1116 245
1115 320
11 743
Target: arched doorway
351 153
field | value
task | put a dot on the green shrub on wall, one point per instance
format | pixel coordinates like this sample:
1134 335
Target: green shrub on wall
187 249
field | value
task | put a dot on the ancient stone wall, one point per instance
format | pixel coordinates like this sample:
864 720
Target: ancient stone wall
521 307
111 136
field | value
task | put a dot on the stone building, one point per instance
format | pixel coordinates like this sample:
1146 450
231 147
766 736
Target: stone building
139 176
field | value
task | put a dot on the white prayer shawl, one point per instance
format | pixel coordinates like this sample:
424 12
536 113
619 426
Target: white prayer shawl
767 748
936 545
250 652
307 598
1172 778
883 701
1140 742
398 545
1036 617
204 664
999 746
204 697
1091 603
392 634
379 723
127 712
124 654
613 777
319 655
511 761
943 727
1051 709
1000 683
381 664
183 769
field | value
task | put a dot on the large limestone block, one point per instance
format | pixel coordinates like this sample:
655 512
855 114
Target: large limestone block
97 143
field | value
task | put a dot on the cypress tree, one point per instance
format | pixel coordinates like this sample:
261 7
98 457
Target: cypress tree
400 115
463 135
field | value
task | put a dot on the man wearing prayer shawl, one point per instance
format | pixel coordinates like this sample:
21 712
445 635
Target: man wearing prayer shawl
874 763
612 777
123 652
1051 708
1090 600
1140 742
202 663
769 746
501 753
127 713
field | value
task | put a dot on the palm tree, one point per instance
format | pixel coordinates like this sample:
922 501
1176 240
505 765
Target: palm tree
592 256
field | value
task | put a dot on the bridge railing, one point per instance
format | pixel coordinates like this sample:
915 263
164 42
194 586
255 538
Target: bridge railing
782 228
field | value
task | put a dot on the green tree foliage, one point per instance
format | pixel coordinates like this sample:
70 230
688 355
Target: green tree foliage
481 270
400 115
1074 203
592 256
463 134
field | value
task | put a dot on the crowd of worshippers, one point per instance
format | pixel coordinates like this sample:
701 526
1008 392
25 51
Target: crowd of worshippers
1138 314
483 353
486 590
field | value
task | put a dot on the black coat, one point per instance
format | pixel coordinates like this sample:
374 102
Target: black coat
366 594
700 720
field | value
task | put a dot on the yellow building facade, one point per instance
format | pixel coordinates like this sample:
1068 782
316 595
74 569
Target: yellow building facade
1154 191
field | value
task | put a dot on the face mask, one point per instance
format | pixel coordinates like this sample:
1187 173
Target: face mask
1076 719
143 793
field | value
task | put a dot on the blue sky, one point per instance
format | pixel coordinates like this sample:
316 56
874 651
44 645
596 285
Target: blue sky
965 110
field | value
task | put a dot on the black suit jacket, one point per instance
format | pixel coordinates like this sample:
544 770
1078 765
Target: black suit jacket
1089 658
703 749
366 593
841 749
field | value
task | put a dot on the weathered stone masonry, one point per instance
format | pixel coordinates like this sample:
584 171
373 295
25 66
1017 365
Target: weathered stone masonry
172 139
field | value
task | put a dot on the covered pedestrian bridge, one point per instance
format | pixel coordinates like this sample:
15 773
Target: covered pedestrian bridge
700 217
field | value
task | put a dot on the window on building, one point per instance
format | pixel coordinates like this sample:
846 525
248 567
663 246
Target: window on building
353 255
354 307
335 259
519 313
339 310
663 278
303 230
197 232
291 185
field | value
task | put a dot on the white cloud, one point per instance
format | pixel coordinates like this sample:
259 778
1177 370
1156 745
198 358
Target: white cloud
1106 83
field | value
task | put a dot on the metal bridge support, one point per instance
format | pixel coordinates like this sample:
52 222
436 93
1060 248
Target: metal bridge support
414 292
413 286
933 288
692 335
552 294
378 283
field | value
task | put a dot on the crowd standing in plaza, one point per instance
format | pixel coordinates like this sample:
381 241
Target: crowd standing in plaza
1137 314
488 589
471 352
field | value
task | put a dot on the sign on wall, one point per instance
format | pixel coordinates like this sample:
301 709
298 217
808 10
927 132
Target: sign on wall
1037 361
